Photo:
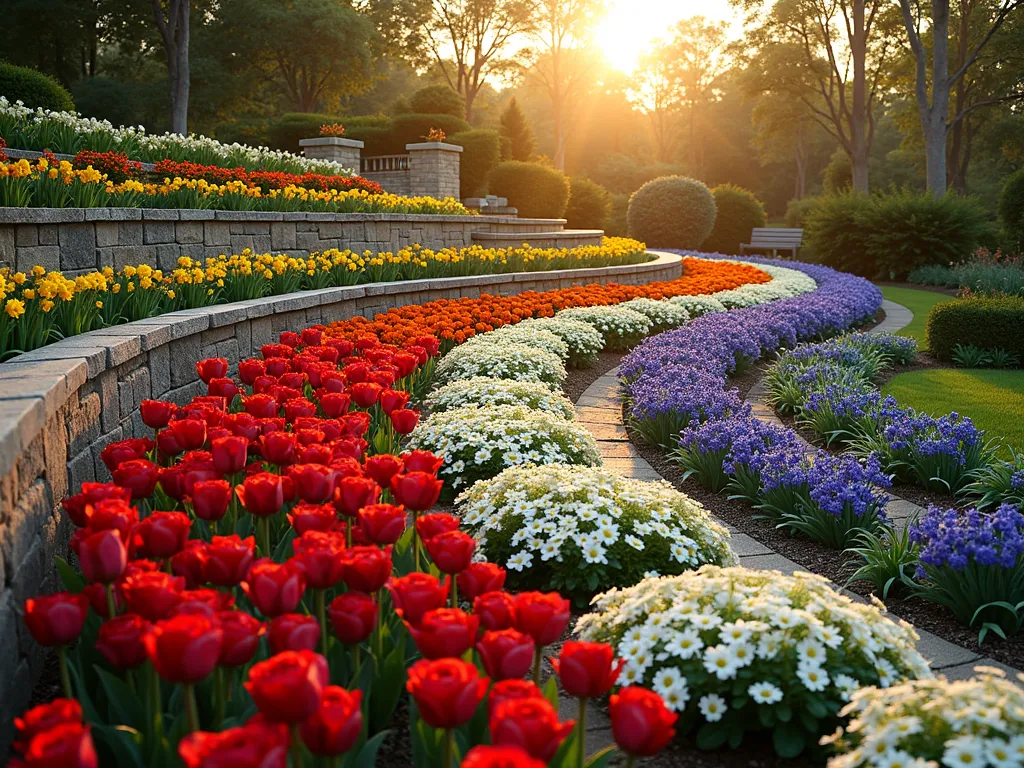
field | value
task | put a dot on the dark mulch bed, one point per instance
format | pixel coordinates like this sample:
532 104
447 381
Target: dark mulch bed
579 379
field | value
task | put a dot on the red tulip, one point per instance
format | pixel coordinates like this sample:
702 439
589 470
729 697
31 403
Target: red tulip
156 414
531 724
229 454
111 514
509 690
293 632
334 728
226 559
45 717
506 653
153 594
429 526
383 467
354 424
210 499
641 723
335 404
249 369
212 368
479 578
404 420
260 405
225 388
444 633
451 551
116 454
314 483
587 670
121 641
366 569
416 490
164 534
353 616
287 688
243 425
415 594
495 609
429 343
92 493
68 745
184 649
382 523
274 588
262 494
204 601
365 393
353 493
485 756
189 433
393 400
319 554
140 476
257 744
446 691
312 517
103 556
168 444
543 616
421 461
189 563
240 637
56 619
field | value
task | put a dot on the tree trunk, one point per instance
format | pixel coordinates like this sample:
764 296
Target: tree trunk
174 30
801 167
179 92
859 148
935 117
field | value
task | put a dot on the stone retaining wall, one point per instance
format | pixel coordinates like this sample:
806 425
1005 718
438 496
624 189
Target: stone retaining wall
62 404
77 240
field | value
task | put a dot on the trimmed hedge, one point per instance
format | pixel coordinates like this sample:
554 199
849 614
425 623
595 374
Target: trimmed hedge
481 152
536 190
672 212
589 204
739 211
987 323
34 89
285 132
438 100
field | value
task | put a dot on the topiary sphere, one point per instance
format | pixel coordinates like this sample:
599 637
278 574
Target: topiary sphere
33 89
671 212
739 211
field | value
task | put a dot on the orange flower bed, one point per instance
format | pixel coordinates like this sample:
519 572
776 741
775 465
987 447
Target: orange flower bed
458 319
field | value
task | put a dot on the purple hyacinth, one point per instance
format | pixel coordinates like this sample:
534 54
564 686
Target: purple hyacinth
954 538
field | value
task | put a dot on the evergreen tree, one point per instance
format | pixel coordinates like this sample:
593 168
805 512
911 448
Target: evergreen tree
517 136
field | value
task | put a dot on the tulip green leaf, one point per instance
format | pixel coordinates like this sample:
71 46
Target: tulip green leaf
123 704
367 756
123 744
72 579
601 759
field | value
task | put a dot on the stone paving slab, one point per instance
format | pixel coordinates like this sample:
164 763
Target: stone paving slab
897 317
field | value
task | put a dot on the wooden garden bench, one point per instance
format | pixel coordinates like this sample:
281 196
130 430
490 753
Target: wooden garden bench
774 239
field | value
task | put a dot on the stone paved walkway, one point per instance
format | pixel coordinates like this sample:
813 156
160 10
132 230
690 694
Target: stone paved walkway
897 317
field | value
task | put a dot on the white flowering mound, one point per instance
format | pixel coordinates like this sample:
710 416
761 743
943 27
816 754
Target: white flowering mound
696 306
578 530
663 314
538 338
583 339
785 283
620 327
483 391
928 723
740 650
505 361
479 442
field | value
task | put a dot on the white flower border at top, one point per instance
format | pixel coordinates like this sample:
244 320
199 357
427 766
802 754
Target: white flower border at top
501 361
484 391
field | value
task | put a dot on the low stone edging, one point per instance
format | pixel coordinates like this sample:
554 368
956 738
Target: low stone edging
62 404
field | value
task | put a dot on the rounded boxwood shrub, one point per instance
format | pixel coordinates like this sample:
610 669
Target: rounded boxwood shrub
671 212
739 211
589 204
481 152
438 100
1011 210
34 89
987 323
535 190
579 530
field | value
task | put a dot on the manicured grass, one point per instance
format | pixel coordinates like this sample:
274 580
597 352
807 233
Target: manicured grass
993 399
918 302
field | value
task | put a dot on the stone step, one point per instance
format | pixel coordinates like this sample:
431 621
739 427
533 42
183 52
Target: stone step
566 238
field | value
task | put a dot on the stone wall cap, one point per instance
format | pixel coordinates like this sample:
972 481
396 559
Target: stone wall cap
423 146
10 215
161 214
247 215
52 380
331 141
20 422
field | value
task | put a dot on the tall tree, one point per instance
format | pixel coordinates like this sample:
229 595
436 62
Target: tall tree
472 39
656 92
561 29
172 22
936 76
516 133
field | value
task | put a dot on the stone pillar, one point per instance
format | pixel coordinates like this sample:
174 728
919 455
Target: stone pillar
434 169
334 148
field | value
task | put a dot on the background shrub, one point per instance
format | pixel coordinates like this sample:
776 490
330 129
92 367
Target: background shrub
837 176
589 204
286 131
536 190
739 211
615 225
1011 211
836 231
438 100
412 128
481 151
34 89
797 211
986 323
671 212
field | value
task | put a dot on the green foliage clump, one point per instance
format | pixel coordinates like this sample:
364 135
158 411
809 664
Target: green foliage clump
837 176
672 212
33 89
517 141
413 128
797 211
285 132
984 322
438 100
1011 210
739 211
589 204
836 230
535 190
481 152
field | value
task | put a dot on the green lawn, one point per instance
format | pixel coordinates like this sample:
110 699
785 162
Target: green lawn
918 302
993 399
